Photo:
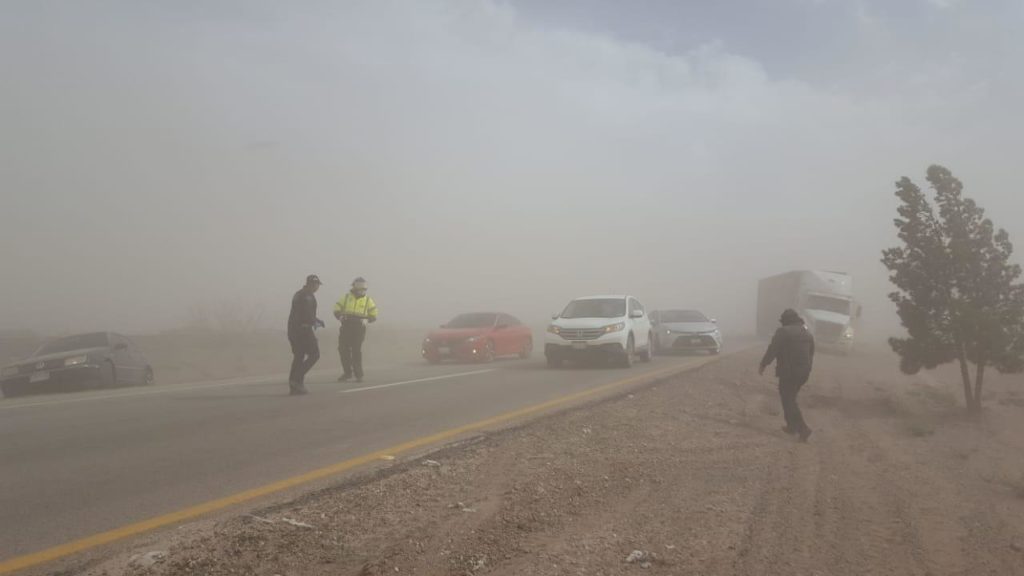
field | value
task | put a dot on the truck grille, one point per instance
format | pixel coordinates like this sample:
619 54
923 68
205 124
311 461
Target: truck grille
581 333
828 331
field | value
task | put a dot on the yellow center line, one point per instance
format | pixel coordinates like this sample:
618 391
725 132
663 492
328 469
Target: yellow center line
130 530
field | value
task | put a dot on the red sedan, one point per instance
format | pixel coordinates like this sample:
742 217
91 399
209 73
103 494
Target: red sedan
478 337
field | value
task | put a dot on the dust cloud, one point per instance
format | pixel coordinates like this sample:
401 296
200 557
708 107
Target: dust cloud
159 159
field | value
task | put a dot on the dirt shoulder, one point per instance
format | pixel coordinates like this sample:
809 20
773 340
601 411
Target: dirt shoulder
689 476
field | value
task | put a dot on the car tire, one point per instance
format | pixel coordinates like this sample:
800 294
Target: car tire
526 350
9 391
108 375
488 355
629 354
148 379
648 354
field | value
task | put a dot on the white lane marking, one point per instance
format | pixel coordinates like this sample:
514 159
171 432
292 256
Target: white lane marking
417 381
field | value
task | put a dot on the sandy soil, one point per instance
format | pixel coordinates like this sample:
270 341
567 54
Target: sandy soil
690 476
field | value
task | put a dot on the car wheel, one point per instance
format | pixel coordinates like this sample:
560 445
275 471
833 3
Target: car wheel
488 355
149 379
108 375
9 391
648 353
627 359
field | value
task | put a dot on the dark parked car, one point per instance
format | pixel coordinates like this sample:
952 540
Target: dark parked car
98 359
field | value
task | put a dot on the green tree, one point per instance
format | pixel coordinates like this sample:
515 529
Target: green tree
957 291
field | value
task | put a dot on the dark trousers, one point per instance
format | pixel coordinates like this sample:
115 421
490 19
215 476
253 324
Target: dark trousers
305 353
789 387
350 348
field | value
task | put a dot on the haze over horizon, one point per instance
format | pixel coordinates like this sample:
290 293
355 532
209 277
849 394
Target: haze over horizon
467 155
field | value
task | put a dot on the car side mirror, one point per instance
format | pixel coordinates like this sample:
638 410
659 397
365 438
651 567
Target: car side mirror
636 314
555 316
120 346
443 326
714 320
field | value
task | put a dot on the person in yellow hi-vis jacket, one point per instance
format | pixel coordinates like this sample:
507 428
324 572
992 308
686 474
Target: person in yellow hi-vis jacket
353 310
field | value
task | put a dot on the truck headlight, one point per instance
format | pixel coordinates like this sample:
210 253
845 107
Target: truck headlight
76 360
554 329
615 328
9 371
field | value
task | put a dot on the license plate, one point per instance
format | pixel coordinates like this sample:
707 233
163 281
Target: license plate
39 377
443 350
579 345
695 340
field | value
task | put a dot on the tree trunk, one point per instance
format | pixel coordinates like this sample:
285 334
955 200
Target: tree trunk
979 380
965 375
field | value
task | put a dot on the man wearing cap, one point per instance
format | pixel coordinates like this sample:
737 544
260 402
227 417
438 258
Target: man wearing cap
301 322
354 309
792 350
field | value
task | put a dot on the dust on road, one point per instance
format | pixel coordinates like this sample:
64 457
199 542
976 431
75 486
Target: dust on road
691 476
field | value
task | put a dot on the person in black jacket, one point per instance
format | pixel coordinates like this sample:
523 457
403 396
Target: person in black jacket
301 322
792 350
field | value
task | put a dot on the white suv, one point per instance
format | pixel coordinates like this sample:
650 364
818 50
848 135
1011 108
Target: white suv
610 326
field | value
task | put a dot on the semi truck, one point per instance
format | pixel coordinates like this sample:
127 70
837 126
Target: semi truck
823 299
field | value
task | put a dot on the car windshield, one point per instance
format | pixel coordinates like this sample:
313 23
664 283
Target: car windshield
473 321
828 304
78 342
681 316
596 308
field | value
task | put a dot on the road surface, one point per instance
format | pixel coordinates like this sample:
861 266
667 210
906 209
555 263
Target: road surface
74 465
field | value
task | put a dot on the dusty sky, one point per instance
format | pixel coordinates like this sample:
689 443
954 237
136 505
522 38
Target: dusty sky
158 156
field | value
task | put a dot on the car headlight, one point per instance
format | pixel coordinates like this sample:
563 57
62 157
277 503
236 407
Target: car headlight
426 340
76 360
554 329
615 328
9 371
848 333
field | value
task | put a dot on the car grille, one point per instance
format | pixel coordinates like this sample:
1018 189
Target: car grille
828 331
692 340
449 342
581 333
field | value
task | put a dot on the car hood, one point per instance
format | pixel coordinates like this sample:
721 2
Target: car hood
826 316
60 355
690 326
456 333
573 323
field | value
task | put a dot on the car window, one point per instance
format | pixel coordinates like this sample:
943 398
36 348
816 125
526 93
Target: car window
513 321
70 343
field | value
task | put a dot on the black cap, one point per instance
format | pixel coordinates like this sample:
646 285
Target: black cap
313 279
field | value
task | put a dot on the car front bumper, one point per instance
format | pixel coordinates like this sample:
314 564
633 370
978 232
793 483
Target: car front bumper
462 351
51 380
688 341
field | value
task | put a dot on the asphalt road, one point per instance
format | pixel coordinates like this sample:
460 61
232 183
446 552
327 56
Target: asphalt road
73 465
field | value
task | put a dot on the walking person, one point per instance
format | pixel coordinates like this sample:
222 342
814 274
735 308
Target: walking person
354 310
792 350
302 321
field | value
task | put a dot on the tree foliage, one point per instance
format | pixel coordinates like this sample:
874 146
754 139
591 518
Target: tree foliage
958 294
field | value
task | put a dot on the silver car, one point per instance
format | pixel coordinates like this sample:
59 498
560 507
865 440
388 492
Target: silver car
685 330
